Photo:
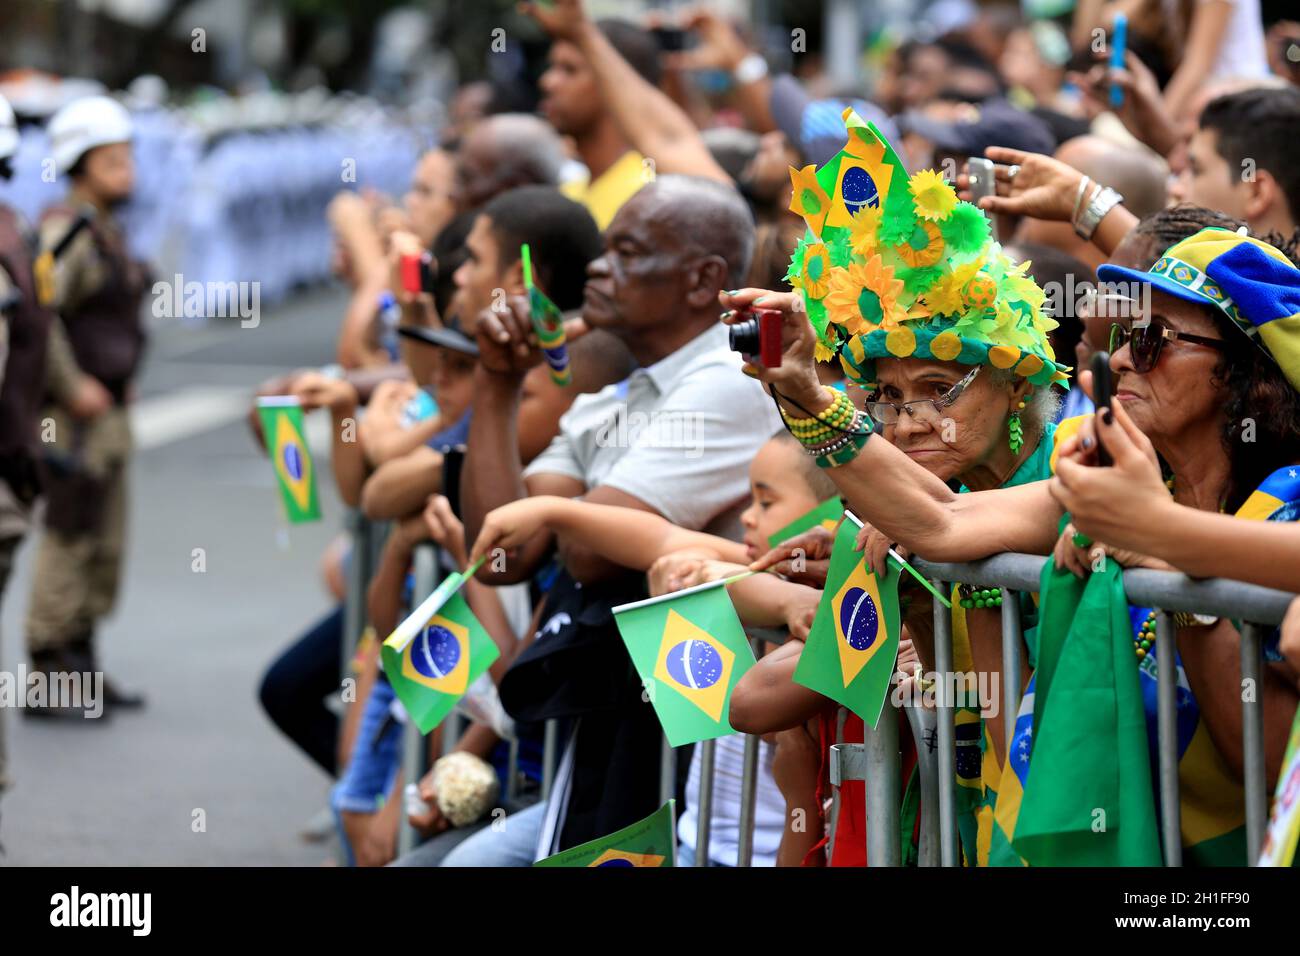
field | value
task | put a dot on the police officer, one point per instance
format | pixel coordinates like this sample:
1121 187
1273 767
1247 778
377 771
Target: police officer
24 327
94 349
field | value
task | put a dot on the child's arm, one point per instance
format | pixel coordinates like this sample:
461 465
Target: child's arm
486 605
625 536
795 768
766 698
347 459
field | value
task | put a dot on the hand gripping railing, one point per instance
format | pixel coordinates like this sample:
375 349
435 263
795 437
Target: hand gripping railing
1168 593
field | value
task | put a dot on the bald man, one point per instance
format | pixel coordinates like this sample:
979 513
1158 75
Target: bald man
1137 174
675 439
502 152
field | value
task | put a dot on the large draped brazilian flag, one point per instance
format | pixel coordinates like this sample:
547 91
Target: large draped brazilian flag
689 650
436 653
648 842
282 424
1087 798
851 650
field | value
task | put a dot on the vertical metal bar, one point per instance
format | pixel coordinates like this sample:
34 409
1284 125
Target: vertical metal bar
748 801
946 731
667 773
1252 737
922 721
550 745
1010 663
841 716
512 771
705 815
1171 826
354 604
414 746
883 786
749 789
452 727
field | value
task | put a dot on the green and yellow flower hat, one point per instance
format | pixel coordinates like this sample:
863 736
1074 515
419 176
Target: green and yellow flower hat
895 266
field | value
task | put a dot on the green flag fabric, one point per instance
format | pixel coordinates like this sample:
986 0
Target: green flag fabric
436 653
827 514
282 426
648 842
1088 798
689 650
853 644
548 324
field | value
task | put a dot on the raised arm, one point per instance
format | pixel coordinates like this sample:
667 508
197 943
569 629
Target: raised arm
886 488
654 125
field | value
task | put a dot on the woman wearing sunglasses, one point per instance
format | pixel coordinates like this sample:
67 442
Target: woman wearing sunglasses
1207 367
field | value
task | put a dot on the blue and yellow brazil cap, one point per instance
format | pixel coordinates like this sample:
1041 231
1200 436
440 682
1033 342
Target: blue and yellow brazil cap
1251 282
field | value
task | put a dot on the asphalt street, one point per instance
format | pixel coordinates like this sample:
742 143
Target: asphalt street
125 790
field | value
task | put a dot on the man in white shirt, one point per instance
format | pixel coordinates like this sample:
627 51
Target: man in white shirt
675 439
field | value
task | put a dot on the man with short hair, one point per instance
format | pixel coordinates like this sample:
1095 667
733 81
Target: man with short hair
1241 160
674 439
502 152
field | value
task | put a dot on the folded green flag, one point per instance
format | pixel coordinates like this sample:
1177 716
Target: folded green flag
548 324
436 653
690 650
282 426
648 842
827 514
851 650
1087 797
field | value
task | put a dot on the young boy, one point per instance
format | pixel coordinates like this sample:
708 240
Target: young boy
785 484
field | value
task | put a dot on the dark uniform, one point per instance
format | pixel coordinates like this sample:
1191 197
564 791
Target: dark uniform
24 329
98 290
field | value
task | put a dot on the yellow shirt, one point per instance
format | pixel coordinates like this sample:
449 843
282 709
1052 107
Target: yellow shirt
604 195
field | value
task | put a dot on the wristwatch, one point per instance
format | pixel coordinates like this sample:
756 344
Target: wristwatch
751 69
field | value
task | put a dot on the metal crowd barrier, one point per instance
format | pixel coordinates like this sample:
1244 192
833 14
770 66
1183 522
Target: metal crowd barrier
1168 592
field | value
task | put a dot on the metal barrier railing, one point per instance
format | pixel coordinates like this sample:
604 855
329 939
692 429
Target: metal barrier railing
877 759
1167 592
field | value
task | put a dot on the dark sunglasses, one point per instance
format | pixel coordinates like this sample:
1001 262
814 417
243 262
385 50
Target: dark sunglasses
1146 342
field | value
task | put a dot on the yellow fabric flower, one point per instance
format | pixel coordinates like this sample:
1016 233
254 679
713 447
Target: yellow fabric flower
823 352
864 297
865 231
815 279
933 197
945 297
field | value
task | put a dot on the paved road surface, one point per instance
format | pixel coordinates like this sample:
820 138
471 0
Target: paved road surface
124 790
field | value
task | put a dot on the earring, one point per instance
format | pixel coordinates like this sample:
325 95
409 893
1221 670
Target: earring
1017 436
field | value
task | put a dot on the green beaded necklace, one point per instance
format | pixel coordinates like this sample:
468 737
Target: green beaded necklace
979 597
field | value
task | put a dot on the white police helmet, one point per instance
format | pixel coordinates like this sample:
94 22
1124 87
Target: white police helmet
84 124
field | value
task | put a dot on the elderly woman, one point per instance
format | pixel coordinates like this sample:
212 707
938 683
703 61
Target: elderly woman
949 339
1207 367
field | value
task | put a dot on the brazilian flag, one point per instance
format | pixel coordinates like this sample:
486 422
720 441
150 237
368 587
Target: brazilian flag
689 650
1087 797
436 653
648 842
282 424
851 650
548 324
827 514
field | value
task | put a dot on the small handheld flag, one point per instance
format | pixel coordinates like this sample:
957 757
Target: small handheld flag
548 324
282 423
851 649
827 514
648 842
1284 823
690 650
436 653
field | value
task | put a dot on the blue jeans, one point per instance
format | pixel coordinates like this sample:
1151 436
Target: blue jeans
513 842
686 857
375 761
296 684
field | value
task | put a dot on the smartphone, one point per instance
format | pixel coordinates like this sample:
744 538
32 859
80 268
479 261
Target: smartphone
670 39
1118 43
979 171
419 270
1101 395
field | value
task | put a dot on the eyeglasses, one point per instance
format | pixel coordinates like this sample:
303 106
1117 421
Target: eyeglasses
888 413
1146 341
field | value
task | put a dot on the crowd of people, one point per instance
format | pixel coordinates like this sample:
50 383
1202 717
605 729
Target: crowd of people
937 329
